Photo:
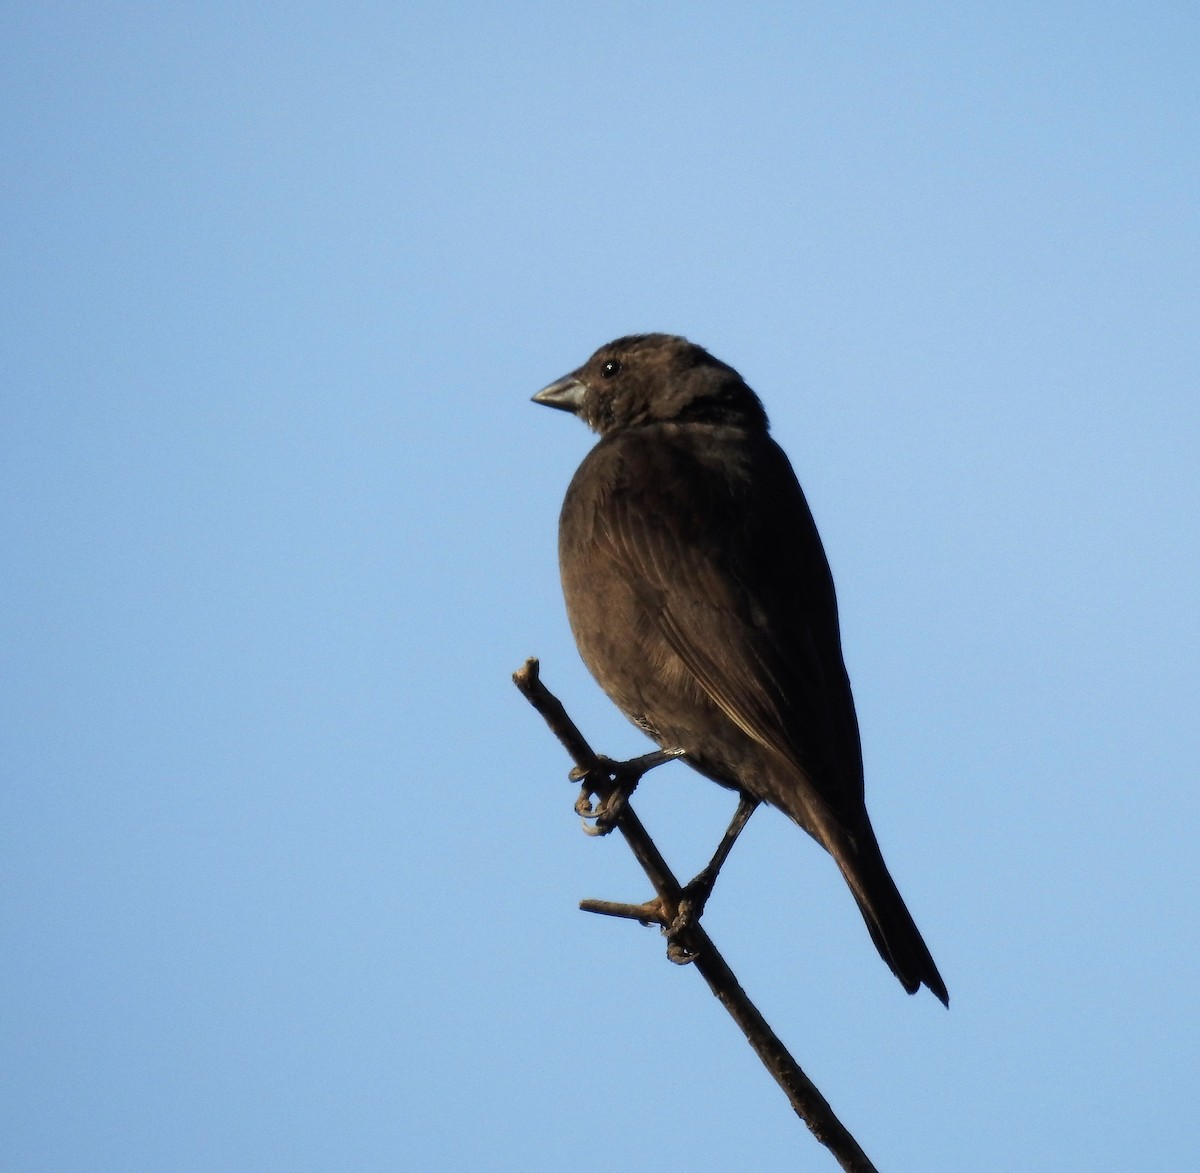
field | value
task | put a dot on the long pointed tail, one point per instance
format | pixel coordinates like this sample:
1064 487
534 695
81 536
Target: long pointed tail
889 922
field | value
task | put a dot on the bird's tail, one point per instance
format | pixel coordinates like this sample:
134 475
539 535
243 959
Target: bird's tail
889 922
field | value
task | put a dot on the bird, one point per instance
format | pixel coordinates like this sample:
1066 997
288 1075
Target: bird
701 600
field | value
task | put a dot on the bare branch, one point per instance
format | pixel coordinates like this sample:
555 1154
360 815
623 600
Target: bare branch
691 944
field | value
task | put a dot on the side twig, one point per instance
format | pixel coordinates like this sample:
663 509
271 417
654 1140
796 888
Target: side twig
693 943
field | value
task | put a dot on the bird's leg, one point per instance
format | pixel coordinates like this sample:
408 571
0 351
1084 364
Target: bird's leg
697 890
612 783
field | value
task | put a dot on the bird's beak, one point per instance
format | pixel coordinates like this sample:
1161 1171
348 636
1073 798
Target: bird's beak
566 394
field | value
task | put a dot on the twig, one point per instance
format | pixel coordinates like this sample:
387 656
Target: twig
694 944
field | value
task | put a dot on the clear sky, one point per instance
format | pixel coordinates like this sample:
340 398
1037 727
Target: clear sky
289 871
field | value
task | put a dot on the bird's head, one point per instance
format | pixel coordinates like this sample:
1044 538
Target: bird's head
654 378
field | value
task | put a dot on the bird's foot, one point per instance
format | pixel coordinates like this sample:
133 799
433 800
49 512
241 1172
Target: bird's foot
605 791
608 785
681 941
691 904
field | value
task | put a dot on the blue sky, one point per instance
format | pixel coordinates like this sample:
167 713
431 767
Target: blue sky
288 870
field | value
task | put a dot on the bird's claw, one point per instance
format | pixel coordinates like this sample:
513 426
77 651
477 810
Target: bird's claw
679 953
605 792
601 817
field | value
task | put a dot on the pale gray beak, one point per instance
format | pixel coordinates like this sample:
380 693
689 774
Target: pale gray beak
566 394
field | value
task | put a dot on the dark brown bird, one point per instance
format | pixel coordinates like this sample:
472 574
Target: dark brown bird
702 602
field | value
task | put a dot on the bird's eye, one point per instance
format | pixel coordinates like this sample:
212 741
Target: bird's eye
610 368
